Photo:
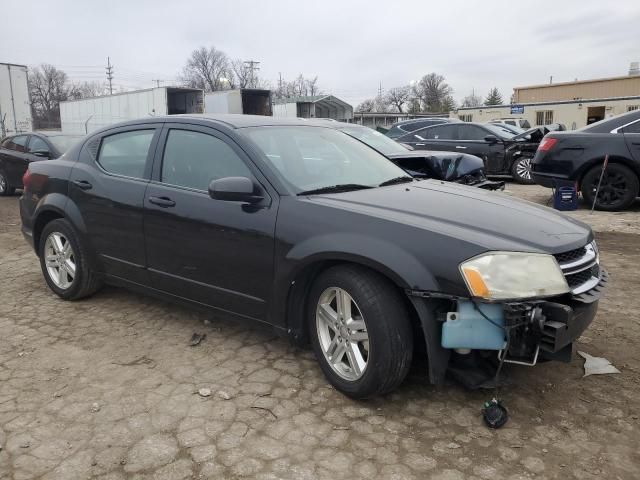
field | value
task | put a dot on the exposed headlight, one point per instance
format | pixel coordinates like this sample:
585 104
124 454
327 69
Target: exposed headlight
513 275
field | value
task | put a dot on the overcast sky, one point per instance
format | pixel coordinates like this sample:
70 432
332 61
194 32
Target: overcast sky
350 45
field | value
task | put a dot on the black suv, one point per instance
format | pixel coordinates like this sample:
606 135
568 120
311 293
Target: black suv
308 230
578 158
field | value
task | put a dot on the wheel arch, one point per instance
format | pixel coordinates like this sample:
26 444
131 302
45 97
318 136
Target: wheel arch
52 207
599 160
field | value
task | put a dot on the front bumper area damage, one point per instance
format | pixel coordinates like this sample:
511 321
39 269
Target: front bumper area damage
524 332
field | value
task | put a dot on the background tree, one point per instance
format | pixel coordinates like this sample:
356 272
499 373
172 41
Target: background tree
48 86
472 100
299 87
208 69
86 90
494 97
433 93
367 106
398 97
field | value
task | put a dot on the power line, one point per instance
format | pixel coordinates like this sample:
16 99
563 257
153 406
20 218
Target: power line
110 75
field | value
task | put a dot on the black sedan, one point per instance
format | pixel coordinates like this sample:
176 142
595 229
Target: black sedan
316 235
399 129
502 152
578 158
17 151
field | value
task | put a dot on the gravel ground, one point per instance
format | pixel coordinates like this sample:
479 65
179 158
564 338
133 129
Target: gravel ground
108 388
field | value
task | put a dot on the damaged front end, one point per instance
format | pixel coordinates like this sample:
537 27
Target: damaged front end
447 166
521 332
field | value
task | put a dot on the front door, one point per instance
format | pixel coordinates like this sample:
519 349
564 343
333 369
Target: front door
632 137
108 184
438 137
472 140
215 252
15 159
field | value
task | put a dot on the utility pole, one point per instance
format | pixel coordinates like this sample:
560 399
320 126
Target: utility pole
109 69
253 68
380 90
157 82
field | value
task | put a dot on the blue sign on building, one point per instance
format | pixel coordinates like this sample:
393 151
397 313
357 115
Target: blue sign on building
517 109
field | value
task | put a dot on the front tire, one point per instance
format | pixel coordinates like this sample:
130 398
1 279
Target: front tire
65 262
521 170
618 189
360 331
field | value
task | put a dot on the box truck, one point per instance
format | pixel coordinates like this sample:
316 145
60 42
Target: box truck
15 104
89 114
250 101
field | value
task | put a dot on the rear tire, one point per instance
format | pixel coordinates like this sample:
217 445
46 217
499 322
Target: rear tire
521 170
377 312
5 189
66 264
618 190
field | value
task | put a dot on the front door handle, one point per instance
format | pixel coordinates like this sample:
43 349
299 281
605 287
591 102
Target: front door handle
419 144
164 202
83 184
460 147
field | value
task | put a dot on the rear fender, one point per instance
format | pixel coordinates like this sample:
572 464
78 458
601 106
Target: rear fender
61 206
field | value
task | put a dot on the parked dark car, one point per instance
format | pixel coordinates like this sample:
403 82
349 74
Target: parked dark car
448 166
577 157
502 152
307 230
399 129
17 151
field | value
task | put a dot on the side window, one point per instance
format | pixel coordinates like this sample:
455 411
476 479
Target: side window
126 153
6 143
633 128
19 143
441 132
194 159
36 144
471 132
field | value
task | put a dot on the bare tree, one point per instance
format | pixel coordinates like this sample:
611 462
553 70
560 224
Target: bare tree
312 86
398 97
300 87
241 74
472 100
207 68
433 92
86 90
367 106
47 87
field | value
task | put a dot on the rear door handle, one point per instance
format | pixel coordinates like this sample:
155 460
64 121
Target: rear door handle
419 144
460 147
83 184
164 202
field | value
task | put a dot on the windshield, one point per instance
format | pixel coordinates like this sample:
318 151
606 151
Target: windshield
64 142
308 158
376 140
499 131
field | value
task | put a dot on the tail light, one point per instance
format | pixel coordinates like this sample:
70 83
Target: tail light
26 180
547 144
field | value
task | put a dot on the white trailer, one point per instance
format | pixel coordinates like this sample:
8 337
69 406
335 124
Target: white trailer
89 114
15 104
250 101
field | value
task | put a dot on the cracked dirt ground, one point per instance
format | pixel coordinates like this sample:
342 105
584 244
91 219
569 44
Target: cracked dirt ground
107 388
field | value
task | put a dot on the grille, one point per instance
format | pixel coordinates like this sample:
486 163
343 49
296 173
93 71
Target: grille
576 279
571 255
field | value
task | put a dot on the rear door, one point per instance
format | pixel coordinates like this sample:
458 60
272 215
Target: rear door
632 137
108 184
440 137
15 159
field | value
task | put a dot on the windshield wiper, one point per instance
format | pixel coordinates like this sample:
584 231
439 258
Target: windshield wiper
345 187
393 181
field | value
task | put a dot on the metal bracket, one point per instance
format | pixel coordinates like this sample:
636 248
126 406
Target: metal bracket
503 358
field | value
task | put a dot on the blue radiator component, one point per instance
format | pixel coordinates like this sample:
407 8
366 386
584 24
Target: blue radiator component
467 328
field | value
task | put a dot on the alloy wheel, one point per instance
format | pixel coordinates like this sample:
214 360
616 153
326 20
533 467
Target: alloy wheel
3 184
342 333
523 168
60 260
613 188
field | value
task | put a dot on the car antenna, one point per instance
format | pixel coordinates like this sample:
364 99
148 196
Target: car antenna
604 167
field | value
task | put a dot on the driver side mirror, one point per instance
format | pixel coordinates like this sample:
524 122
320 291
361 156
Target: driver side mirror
41 153
491 139
234 189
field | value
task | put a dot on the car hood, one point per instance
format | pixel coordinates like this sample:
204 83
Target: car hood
490 220
448 166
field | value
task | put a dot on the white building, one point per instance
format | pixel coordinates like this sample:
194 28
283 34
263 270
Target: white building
317 106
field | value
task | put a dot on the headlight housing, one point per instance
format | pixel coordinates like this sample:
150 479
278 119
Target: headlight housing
513 275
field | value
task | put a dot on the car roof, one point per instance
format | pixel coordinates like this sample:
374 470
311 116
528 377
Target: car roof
48 133
238 120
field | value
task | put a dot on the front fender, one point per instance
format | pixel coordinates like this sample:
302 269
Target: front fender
400 266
